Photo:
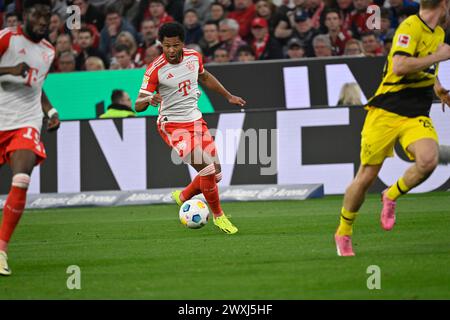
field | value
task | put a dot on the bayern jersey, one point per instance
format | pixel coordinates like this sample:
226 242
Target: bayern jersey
20 98
178 86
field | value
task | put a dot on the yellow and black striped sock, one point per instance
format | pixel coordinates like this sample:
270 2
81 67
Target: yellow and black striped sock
346 223
397 189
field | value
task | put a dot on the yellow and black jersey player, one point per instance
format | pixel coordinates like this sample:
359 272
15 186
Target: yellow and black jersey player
399 111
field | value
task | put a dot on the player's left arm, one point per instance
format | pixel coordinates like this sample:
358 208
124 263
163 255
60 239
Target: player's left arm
52 113
211 82
442 93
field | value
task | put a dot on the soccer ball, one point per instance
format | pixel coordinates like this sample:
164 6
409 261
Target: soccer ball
194 214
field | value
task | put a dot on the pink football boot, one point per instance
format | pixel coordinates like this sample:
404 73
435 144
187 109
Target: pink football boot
344 246
388 212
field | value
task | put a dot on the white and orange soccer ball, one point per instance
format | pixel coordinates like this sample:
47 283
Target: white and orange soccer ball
194 214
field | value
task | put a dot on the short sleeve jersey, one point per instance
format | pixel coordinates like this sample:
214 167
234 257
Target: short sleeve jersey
410 95
20 98
177 84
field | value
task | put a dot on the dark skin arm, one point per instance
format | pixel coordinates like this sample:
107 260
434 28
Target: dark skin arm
53 122
20 69
211 82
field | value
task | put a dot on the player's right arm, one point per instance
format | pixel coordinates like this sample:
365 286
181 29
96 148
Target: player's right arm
20 69
147 95
404 48
403 65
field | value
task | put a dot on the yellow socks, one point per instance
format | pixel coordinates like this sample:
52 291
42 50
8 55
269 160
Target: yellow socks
397 189
346 223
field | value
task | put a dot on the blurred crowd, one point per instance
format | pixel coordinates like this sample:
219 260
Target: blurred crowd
122 34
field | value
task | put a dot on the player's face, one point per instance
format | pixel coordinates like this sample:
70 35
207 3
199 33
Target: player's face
172 49
37 22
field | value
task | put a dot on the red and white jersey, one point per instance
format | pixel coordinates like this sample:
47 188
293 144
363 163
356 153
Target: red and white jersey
20 98
177 84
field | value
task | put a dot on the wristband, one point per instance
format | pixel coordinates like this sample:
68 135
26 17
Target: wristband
51 112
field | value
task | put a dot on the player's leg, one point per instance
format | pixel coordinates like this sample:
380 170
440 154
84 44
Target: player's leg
378 137
353 199
200 137
419 140
22 163
205 164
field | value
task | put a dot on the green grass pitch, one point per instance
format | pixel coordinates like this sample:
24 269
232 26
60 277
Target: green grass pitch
284 250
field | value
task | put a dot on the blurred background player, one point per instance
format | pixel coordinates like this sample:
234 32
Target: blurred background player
400 110
174 77
25 60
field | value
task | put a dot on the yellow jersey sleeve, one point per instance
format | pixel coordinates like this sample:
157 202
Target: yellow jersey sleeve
406 39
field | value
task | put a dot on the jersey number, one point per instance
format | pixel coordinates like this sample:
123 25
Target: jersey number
35 139
184 86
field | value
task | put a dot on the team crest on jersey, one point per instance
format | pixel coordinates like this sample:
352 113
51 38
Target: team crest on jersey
190 65
403 40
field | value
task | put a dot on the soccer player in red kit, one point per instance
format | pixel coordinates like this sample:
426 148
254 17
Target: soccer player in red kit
25 60
171 81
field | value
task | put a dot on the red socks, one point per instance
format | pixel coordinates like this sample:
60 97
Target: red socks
208 186
193 188
13 209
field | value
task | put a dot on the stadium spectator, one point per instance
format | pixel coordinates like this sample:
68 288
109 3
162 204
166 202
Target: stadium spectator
114 24
221 56
66 62
246 54
55 28
358 18
229 36
338 35
129 9
94 64
371 45
12 20
63 44
316 10
85 41
175 9
123 58
151 53
216 12
120 106
267 10
228 5
350 95
127 39
157 12
354 47
344 9
285 26
322 46
264 46
201 7
396 6
90 14
210 41
385 26
244 12
149 34
295 49
60 7
193 27
304 31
